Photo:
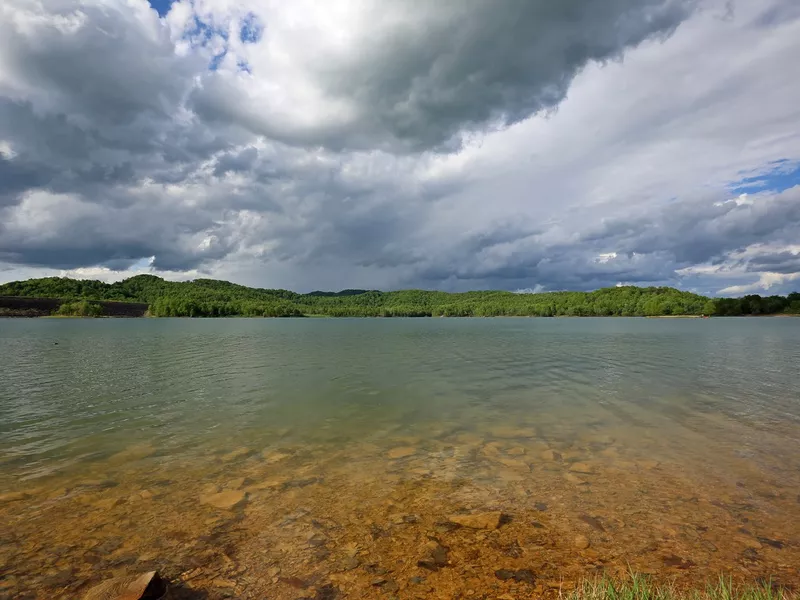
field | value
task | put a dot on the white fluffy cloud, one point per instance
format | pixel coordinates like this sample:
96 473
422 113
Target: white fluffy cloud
369 144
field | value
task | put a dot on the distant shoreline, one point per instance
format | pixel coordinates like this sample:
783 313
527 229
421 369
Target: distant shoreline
148 295
7 315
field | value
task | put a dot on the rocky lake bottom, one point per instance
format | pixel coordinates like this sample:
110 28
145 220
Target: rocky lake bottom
505 512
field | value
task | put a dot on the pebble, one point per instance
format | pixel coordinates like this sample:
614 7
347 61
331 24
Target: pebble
581 542
486 520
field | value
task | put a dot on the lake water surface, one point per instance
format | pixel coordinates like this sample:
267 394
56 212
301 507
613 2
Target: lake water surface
325 458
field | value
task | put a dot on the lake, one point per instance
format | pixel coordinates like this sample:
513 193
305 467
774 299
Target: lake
361 458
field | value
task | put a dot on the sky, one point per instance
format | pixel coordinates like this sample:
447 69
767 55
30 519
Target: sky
387 144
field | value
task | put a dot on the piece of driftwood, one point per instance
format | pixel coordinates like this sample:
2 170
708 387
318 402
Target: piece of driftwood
146 586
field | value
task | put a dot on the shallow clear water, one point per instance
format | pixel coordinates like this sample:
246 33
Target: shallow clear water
655 413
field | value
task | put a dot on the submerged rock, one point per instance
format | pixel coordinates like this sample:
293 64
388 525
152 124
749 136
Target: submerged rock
97 484
581 542
486 520
274 456
581 467
436 557
508 433
147 586
133 453
676 561
325 592
513 463
349 563
748 542
227 500
572 478
401 452
593 522
521 575
551 455
235 454
108 503
235 484
13 497
769 542
648 465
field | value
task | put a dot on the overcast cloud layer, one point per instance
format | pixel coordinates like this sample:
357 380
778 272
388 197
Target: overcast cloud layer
457 144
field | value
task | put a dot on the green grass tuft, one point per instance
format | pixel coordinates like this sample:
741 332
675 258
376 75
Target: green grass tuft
640 587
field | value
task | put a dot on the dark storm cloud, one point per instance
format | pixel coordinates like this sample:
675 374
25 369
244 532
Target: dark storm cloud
779 262
697 232
475 65
236 162
66 232
90 97
451 66
94 105
527 261
16 177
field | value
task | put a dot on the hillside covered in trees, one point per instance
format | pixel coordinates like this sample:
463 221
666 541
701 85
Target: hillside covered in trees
211 298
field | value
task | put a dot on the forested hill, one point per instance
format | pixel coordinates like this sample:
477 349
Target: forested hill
211 298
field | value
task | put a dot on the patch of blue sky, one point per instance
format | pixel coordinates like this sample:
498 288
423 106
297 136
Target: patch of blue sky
161 6
217 59
778 176
244 66
251 29
201 33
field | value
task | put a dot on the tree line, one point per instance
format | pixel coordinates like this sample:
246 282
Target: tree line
212 298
